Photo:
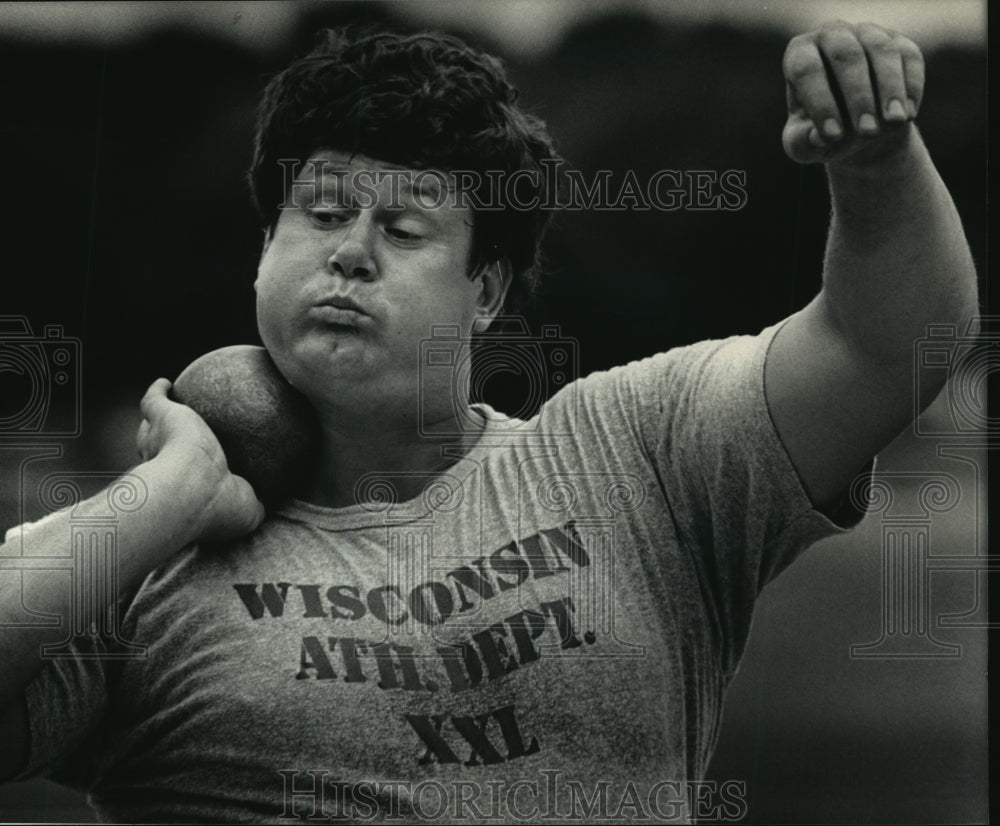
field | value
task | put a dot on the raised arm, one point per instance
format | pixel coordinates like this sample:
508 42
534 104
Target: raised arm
839 376
190 495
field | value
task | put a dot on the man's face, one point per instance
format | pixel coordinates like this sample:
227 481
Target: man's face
358 269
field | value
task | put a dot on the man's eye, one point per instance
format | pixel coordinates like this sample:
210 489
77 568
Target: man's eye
326 217
402 234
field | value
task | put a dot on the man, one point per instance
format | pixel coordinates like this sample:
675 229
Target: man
544 615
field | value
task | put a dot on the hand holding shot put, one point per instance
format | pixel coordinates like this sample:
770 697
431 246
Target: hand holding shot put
393 640
175 435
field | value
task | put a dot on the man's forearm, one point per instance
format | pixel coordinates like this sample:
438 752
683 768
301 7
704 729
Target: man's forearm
897 258
145 537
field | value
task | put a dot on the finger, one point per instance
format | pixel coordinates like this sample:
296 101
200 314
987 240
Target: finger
809 88
887 70
848 65
154 397
913 73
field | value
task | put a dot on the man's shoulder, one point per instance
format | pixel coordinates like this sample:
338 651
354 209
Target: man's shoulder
656 385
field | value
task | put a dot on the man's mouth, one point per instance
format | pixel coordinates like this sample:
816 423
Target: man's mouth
339 317
340 311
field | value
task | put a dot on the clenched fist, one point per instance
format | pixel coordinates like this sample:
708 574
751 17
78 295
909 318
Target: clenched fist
852 92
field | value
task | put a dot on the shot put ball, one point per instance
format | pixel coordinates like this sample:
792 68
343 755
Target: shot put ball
266 428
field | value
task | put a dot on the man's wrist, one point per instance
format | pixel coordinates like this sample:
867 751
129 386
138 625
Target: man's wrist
892 155
187 489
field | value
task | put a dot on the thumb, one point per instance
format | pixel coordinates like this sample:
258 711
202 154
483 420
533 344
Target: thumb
800 140
155 398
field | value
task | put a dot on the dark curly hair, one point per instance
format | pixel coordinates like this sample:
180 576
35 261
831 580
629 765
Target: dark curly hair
424 101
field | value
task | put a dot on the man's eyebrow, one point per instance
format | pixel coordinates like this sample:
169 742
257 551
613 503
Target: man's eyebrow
410 180
425 190
428 191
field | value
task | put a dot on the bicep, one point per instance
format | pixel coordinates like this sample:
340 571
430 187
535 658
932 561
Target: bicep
833 407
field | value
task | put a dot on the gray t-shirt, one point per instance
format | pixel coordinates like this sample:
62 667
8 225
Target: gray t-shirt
552 624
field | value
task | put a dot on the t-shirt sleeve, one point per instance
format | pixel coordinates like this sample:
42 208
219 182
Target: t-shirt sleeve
66 703
736 502
726 463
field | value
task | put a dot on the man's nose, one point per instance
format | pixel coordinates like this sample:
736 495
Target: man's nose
354 257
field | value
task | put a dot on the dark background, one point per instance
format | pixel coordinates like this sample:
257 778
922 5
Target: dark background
127 221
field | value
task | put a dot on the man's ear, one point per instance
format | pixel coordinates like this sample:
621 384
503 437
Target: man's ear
494 281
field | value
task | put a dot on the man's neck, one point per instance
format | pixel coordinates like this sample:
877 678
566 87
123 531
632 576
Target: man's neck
352 451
